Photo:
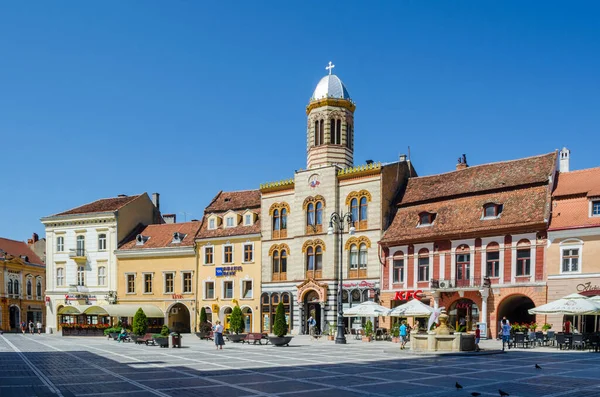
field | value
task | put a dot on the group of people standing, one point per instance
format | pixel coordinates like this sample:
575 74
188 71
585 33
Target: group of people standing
31 327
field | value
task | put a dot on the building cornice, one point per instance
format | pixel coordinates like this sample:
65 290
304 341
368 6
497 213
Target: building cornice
156 252
228 238
341 103
75 217
276 186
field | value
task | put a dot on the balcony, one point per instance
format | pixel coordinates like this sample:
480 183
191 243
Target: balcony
78 255
457 285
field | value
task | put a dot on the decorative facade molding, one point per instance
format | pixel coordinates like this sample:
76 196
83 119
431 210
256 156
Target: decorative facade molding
358 241
313 200
279 247
279 206
358 195
313 243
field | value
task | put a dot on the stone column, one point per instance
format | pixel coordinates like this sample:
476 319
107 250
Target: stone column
323 322
301 320
485 293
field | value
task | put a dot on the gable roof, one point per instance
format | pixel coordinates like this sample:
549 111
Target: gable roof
161 236
586 182
571 204
240 200
19 248
102 205
481 178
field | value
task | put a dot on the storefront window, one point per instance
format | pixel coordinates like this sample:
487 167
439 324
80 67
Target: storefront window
463 315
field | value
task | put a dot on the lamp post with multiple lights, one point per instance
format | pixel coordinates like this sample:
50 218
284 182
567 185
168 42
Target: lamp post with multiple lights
337 224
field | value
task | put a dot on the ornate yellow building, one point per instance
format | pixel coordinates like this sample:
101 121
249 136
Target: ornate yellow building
22 285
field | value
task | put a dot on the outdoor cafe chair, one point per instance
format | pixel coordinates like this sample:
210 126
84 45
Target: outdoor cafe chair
561 340
550 338
578 342
539 338
521 340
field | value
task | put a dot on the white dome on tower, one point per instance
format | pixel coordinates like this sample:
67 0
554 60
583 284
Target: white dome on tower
330 86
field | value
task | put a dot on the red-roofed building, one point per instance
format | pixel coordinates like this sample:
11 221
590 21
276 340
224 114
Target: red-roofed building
472 240
22 286
573 253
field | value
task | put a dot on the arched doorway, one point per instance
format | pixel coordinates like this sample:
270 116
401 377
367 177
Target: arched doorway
312 307
208 311
226 314
463 315
14 318
179 318
516 309
247 312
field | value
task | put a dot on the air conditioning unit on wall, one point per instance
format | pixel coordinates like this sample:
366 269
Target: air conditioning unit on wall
445 284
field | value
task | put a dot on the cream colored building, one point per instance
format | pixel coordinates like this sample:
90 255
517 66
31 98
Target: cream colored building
573 253
229 267
157 270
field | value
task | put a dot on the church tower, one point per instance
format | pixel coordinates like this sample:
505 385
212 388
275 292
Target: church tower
330 130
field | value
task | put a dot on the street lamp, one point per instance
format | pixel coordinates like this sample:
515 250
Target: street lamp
339 221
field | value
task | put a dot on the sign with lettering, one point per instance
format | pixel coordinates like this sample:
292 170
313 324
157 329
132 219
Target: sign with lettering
406 295
227 271
74 297
177 296
359 284
588 288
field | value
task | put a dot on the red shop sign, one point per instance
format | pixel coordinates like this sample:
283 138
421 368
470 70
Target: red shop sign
406 295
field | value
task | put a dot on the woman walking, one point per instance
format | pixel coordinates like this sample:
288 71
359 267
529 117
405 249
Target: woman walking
218 334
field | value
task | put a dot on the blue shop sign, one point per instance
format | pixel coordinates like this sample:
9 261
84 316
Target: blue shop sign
227 270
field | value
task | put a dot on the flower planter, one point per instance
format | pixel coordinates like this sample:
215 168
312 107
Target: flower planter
236 338
162 342
82 331
280 340
367 338
395 339
330 337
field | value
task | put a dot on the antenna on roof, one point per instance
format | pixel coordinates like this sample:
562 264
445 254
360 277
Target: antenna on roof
185 214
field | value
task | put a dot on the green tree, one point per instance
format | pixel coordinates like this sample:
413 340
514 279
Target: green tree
236 320
203 317
140 322
164 331
368 328
280 326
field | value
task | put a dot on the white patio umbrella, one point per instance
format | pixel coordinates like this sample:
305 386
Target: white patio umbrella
413 308
366 309
574 304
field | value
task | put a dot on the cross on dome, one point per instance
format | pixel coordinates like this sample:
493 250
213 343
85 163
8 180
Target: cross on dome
331 66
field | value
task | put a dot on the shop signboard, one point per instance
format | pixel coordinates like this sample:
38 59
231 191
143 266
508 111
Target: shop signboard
227 271
407 295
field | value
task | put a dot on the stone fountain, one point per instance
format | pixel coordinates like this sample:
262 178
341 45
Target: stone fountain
442 339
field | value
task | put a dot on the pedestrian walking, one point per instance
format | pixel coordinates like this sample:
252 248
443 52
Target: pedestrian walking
39 327
23 327
505 334
311 326
31 327
403 334
477 337
218 334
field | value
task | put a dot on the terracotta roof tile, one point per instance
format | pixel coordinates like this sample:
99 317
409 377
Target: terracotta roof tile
161 236
459 216
102 205
240 200
481 178
19 248
578 182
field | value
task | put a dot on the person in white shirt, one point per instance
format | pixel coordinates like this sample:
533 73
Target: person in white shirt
39 327
218 335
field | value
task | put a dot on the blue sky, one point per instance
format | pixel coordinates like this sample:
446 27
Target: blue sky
187 98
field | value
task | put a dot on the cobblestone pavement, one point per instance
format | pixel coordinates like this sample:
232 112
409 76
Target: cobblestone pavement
50 365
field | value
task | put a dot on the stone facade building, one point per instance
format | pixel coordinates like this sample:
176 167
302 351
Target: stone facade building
473 241
300 260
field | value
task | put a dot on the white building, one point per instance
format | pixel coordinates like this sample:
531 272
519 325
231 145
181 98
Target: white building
81 267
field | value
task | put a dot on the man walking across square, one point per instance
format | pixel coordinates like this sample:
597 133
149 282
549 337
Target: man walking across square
505 334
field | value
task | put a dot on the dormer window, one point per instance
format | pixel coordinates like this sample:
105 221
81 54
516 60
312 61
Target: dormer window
248 220
229 222
596 208
140 240
212 223
177 237
492 210
426 219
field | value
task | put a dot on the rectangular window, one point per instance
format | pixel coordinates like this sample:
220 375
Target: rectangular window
523 262
81 276
353 258
398 271
230 222
227 289
131 283
208 255
60 276
169 278
209 290
570 260
493 264
101 275
596 208
60 244
102 242
187 282
248 253
147 283
211 224
424 269
248 219
247 289
228 254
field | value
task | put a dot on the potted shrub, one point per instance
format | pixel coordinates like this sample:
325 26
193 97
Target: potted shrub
236 325
162 339
331 331
205 327
368 332
546 327
280 328
396 333
140 324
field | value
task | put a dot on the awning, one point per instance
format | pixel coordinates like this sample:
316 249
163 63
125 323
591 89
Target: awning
120 310
72 310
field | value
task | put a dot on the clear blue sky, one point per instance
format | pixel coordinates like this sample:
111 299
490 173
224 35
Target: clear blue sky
187 97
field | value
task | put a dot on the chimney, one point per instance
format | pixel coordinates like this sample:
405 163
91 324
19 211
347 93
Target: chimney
156 200
462 162
369 162
35 238
170 218
402 158
565 157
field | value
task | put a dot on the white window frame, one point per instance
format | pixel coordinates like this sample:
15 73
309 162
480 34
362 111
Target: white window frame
212 223
29 280
102 265
223 289
248 219
77 275
214 297
144 283
183 273
165 282
228 219
60 283
569 245
244 252
592 201
212 247
127 283
232 254
243 281
104 240
38 279
60 243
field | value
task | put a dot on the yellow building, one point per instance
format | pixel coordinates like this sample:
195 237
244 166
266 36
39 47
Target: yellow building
229 253
22 286
156 269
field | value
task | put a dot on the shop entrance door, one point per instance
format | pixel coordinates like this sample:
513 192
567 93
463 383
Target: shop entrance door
463 270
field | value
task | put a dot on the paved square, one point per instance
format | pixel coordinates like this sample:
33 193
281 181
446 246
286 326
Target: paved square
49 365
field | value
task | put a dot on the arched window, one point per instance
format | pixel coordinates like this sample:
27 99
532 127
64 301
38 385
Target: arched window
279 212
423 263
80 246
363 209
349 136
80 275
358 203
16 287
29 289
10 286
332 131
338 132
319 213
322 131
318 259
276 220
362 257
354 209
283 267
283 219
276 266
314 214
353 261
310 214
317 135
523 258
314 258
275 299
310 259
38 289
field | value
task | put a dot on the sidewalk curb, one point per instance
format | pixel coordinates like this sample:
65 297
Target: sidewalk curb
451 354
